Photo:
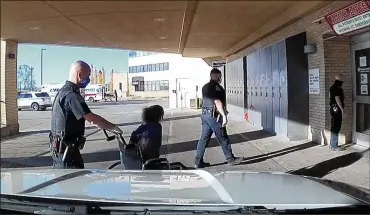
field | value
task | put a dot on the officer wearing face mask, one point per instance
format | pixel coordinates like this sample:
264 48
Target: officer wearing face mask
68 120
336 111
214 120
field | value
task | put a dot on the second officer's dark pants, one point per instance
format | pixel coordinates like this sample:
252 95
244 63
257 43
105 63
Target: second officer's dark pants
73 160
336 124
210 125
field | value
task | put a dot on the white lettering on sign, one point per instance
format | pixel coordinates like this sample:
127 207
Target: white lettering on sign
366 69
347 12
314 81
363 61
352 24
364 90
364 78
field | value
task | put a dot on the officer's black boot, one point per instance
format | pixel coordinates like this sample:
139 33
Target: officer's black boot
202 164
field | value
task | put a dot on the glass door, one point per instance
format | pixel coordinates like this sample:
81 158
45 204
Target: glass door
361 89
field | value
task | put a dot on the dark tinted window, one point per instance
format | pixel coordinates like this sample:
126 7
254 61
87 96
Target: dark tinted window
166 66
27 95
43 94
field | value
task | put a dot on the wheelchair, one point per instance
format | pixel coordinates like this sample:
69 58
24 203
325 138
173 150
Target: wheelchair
151 164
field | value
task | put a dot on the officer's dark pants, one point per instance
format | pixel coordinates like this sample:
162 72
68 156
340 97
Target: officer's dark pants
210 126
73 160
336 124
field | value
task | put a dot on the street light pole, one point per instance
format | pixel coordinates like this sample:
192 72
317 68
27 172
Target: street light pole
42 51
31 78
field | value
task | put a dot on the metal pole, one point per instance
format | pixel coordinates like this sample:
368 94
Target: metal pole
31 78
42 51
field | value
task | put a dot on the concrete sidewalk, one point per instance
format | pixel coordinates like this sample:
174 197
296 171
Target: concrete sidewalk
264 152
181 130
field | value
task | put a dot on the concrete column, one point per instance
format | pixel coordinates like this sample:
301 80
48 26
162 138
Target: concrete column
8 94
338 61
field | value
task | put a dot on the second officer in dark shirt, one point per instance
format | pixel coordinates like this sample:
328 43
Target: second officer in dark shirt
68 120
214 120
336 111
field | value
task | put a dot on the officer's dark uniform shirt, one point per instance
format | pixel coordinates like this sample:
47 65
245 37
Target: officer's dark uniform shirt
69 107
336 90
213 91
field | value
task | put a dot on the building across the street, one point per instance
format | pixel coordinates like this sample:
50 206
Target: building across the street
158 75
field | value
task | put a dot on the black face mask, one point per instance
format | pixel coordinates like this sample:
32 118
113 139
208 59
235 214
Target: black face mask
338 83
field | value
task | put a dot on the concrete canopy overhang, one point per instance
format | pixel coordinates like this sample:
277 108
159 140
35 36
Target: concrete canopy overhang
206 29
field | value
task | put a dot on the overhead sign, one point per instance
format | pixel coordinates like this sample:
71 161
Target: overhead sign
351 18
314 81
218 63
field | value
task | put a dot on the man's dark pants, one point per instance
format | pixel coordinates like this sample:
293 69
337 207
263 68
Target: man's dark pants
210 125
336 124
73 159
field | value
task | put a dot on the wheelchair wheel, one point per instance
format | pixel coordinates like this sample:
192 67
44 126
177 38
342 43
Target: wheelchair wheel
114 164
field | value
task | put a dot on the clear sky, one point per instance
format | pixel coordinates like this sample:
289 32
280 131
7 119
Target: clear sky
57 59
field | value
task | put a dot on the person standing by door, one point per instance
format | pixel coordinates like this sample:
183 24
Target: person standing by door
336 111
214 120
115 95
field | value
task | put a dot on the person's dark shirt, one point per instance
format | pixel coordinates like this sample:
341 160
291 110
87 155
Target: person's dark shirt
149 137
213 91
336 90
69 107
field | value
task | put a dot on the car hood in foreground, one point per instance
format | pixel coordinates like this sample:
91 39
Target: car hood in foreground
176 187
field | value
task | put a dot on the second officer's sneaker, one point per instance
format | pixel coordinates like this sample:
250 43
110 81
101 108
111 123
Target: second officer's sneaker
202 165
236 161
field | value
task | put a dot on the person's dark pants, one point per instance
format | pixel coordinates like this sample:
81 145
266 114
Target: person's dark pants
73 159
210 126
336 124
116 98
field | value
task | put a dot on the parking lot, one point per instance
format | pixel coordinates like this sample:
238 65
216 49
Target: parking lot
181 129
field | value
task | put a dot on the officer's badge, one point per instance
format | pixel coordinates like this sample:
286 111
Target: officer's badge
218 88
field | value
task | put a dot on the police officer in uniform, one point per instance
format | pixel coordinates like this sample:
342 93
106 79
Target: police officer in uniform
68 120
336 111
214 120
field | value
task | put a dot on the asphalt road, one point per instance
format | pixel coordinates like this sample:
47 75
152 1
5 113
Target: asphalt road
40 120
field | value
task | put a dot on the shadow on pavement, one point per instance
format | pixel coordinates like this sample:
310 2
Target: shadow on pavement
326 167
281 152
26 133
113 155
234 139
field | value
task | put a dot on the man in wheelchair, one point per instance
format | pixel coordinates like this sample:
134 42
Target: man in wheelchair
145 142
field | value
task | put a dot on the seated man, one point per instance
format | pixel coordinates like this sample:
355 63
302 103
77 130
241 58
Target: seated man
147 137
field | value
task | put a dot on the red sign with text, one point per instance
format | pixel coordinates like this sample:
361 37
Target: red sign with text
351 18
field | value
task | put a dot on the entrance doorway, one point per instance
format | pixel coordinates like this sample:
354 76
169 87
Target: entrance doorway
360 53
186 90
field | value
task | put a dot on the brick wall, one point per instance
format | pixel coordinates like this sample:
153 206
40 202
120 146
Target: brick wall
2 84
337 61
9 111
314 32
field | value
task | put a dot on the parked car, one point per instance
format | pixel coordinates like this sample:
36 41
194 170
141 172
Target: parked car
34 100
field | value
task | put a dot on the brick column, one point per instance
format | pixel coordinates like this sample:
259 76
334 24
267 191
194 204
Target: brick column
337 55
8 94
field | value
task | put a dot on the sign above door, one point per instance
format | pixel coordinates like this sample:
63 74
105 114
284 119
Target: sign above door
351 18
